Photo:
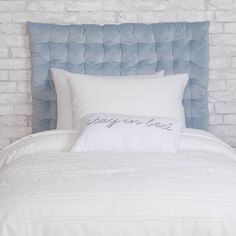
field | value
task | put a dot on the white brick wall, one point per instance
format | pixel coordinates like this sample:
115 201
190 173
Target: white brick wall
15 103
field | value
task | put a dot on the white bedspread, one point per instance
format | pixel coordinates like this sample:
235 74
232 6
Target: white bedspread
47 191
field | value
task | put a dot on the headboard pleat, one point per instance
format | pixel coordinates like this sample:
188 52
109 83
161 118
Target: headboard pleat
125 49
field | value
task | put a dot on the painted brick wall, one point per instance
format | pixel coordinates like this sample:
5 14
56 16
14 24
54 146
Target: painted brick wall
15 98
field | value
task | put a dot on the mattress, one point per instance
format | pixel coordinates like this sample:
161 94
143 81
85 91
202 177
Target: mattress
46 190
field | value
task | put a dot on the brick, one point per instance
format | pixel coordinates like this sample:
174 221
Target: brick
13 121
14 132
117 5
19 75
23 86
195 15
12 40
83 6
13 98
20 52
221 96
21 17
230 119
230 27
70 18
4 143
233 61
150 5
6 109
24 109
216 85
231 84
222 51
223 39
211 108
7 87
225 16
216 28
13 28
224 108
186 5
220 63
5 17
44 17
224 130
128 16
220 74
14 64
3 52
216 119
51 6
221 5
3 75
152 17
95 17
12 6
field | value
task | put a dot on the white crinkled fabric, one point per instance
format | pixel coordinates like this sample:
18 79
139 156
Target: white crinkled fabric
45 190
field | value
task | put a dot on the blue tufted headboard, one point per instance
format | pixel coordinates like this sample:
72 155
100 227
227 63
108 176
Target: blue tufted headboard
124 49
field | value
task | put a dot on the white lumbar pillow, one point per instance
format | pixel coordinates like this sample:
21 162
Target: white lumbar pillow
64 104
122 133
146 96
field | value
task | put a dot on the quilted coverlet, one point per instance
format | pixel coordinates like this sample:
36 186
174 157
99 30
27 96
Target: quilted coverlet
46 190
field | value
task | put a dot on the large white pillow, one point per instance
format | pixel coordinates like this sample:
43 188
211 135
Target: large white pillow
121 133
64 104
146 96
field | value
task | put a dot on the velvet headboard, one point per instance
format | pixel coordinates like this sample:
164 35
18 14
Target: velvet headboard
124 49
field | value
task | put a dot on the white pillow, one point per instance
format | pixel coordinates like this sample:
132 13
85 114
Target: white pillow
147 96
121 133
64 104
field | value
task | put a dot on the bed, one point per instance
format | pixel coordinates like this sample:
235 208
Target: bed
46 189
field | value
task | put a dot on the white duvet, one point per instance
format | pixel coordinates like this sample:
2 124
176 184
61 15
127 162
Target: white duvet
47 191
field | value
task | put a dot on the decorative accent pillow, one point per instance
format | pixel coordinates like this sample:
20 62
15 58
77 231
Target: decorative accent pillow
122 133
147 96
64 104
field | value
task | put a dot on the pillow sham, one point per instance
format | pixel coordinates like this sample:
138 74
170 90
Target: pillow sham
64 107
147 96
122 133
64 104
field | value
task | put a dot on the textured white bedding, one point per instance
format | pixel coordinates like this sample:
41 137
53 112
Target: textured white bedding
47 191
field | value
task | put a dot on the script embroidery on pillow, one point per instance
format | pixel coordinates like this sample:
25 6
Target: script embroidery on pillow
125 133
111 122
